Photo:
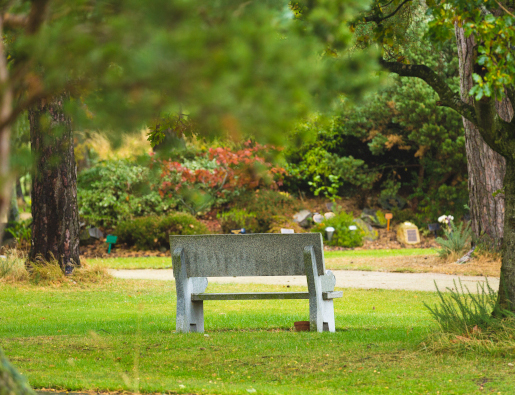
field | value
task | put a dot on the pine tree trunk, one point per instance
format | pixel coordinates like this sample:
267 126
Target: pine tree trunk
507 284
55 219
486 168
5 135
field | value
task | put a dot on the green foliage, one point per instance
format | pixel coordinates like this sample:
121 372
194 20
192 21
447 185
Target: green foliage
456 241
21 231
266 204
343 236
460 311
147 233
116 190
493 29
237 219
397 141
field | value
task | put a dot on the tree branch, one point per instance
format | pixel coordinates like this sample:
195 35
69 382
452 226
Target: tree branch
36 15
378 20
447 97
12 21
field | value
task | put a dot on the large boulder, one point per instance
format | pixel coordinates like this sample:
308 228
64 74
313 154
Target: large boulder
302 218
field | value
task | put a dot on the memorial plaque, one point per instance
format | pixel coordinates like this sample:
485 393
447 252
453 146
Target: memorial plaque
412 236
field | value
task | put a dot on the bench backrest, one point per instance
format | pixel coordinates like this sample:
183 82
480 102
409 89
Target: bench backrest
261 254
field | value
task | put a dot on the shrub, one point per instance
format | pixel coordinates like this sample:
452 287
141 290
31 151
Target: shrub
457 238
279 222
219 176
236 219
21 231
266 204
153 232
343 236
119 189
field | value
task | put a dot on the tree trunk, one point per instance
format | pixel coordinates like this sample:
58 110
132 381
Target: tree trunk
5 135
55 223
507 285
486 168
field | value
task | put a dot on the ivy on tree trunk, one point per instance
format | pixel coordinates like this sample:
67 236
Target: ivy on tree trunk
55 224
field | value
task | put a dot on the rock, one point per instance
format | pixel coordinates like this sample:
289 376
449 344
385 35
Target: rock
330 206
96 233
329 215
88 236
407 233
318 218
370 233
302 218
374 217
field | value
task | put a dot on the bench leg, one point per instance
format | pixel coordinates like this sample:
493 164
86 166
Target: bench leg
316 308
328 316
190 315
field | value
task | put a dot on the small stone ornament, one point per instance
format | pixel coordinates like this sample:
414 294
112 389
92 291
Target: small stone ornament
318 218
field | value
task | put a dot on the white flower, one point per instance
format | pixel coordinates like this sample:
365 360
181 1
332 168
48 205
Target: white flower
442 218
450 218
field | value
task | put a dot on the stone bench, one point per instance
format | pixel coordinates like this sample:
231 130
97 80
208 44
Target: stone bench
196 257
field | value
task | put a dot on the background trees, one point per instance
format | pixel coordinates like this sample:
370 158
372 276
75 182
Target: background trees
237 67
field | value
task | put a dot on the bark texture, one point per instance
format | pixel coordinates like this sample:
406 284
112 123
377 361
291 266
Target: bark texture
5 134
55 231
486 168
507 284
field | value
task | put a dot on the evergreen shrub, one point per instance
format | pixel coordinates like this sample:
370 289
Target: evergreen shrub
342 236
266 204
152 232
115 190
237 219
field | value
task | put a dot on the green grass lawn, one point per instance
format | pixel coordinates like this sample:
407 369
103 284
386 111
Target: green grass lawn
166 262
120 336
380 253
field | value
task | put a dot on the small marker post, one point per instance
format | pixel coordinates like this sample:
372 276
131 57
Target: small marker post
111 239
388 217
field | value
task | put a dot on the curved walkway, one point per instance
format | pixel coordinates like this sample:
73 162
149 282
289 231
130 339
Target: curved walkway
344 279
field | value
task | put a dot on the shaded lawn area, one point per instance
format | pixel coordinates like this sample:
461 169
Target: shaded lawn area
119 336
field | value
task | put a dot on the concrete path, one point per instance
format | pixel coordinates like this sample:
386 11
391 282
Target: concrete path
344 279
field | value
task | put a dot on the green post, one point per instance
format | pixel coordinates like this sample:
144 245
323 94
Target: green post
111 239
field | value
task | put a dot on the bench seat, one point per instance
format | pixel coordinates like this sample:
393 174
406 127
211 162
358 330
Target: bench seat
262 295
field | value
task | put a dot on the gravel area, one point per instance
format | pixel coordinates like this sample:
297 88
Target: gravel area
344 279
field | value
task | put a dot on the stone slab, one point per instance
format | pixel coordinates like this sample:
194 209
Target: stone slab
260 254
